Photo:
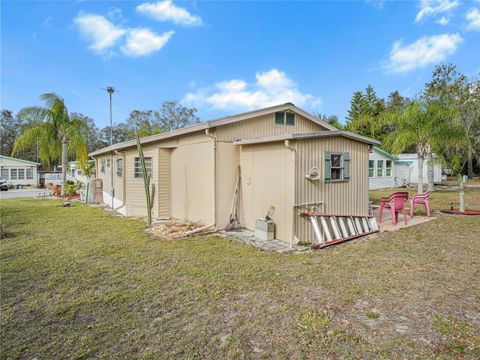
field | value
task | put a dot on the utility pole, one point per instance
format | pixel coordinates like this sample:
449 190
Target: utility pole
110 90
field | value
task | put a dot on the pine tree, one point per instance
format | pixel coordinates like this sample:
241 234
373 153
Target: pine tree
357 107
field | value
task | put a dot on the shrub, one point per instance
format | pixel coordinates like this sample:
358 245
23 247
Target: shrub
71 188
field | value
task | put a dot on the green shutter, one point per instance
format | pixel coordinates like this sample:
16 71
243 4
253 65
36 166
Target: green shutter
290 118
280 118
327 166
346 166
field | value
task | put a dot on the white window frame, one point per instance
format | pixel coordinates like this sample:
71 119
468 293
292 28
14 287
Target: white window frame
381 168
27 173
7 171
119 169
137 167
341 167
102 166
371 168
12 171
387 168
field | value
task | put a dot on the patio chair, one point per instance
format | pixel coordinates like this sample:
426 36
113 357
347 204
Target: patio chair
420 199
396 203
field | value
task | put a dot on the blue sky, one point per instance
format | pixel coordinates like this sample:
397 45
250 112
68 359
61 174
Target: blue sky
228 57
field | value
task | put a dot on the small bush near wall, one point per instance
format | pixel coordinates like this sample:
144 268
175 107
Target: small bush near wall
71 188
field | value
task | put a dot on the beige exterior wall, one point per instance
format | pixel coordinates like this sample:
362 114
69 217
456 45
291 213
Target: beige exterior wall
268 179
107 179
262 126
228 161
194 171
192 181
164 183
347 197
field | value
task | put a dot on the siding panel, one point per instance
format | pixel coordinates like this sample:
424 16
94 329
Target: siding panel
262 126
349 197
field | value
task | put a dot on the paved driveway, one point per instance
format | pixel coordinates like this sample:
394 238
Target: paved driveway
12 194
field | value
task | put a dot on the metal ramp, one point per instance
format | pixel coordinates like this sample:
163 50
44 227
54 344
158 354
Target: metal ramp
330 229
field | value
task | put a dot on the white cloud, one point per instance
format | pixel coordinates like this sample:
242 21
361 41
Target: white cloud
378 4
270 88
47 22
426 50
142 41
102 33
435 7
473 17
167 11
443 21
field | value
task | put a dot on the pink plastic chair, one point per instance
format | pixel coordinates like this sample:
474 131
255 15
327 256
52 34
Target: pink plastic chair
396 203
420 199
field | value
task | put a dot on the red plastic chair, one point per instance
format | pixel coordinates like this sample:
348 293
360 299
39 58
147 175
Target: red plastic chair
420 199
396 203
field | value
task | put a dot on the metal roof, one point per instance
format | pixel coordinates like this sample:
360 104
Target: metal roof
25 161
214 123
385 152
311 135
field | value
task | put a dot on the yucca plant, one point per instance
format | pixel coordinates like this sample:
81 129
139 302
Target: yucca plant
147 178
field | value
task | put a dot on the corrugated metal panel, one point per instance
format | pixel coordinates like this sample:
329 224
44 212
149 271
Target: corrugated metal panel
262 126
349 197
164 182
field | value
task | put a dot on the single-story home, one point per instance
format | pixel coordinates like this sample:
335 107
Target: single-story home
19 171
381 169
75 173
406 170
287 158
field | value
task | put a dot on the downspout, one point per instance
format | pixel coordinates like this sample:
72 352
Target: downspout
214 138
124 183
293 236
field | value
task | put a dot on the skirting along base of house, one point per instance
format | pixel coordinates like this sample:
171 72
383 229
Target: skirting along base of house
107 200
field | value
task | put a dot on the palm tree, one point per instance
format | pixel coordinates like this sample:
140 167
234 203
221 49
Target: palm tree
57 134
429 127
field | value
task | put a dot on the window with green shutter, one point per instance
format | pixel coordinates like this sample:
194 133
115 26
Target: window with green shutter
337 166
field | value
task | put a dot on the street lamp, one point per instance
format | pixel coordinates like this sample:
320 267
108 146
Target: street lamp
110 90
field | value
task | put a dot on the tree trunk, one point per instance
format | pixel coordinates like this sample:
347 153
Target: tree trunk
64 165
420 174
470 165
462 195
430 171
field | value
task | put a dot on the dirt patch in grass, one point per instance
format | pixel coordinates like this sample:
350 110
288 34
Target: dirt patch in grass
85 284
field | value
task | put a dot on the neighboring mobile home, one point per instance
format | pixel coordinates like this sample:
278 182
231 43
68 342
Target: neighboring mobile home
287 158
381 169
75 173
406 170
19 171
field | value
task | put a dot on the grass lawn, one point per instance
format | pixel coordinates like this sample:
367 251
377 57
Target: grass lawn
79 283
